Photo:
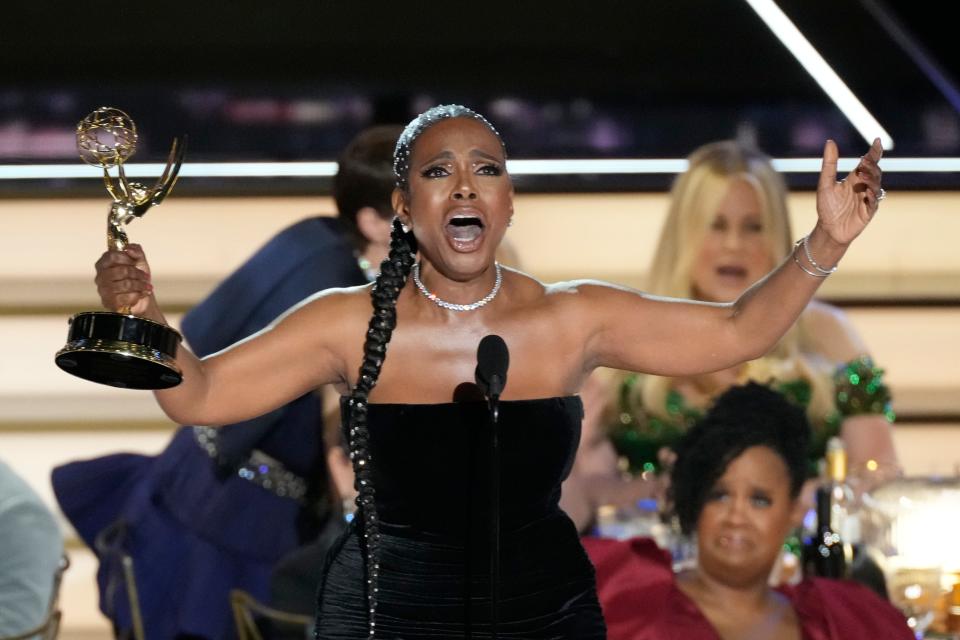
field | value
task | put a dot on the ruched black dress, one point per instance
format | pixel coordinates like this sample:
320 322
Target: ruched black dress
432 475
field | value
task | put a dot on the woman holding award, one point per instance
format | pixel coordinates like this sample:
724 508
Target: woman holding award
217 509
410 566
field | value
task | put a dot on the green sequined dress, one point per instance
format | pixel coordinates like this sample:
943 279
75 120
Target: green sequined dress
638 434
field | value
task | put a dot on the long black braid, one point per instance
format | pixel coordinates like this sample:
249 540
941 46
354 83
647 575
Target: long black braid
394 272
393 276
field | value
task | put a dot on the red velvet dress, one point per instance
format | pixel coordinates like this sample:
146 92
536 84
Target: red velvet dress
641 600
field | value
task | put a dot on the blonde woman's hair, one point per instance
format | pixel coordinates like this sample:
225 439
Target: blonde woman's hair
694 201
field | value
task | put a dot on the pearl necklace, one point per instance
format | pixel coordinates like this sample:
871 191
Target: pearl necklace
458 307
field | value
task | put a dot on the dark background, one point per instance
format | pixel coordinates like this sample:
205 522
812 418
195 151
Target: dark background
603 78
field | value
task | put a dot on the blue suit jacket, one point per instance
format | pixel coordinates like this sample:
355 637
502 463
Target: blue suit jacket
309 256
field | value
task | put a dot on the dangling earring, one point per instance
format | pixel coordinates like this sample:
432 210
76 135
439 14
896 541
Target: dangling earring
403 227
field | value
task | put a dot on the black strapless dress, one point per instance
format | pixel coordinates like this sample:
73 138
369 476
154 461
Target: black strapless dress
432 477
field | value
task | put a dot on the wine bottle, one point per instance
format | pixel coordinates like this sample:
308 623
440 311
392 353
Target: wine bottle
844 516
823 552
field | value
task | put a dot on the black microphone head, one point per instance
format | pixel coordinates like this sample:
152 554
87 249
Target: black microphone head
493 358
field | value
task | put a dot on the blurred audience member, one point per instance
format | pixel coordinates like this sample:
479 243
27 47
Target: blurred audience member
294 583
220 506
596 478
31 550
726 227
735 483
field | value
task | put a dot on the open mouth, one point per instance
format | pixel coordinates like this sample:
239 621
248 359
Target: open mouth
464 229
734 542
731 271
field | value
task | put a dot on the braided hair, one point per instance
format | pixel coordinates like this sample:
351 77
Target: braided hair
394 272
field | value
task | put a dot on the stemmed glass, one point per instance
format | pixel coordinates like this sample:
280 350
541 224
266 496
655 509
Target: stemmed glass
915 591
908 525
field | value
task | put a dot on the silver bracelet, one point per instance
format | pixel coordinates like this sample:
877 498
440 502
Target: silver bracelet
805 241
793 254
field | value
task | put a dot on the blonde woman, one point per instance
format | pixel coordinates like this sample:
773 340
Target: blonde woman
726 227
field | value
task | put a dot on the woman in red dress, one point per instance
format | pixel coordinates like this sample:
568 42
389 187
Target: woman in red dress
736 482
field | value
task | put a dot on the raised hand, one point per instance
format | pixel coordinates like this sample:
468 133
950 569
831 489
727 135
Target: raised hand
845 207
123 280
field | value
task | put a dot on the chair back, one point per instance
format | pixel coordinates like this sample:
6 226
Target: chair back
47 630
50 627
110 545
257 621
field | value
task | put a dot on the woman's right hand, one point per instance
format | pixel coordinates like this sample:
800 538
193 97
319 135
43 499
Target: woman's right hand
123 280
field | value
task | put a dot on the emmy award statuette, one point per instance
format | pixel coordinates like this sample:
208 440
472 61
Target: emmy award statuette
121 349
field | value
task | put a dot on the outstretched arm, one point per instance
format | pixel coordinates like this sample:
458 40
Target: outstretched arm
252 377
630 330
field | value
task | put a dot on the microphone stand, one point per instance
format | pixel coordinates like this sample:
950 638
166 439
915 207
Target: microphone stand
493 402
493 359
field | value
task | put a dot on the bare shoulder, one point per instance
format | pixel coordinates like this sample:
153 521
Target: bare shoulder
329 326
342 300
566 290
588 289
570 306
567 295
590 295
328 312
828 331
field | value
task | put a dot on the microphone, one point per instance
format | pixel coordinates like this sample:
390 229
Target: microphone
493 358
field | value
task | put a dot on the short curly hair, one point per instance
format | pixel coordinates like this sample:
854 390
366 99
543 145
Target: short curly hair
746 416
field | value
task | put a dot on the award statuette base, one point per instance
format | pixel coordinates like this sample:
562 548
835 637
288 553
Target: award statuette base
121 350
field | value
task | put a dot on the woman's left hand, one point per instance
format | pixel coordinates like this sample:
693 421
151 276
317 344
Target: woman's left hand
845 207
